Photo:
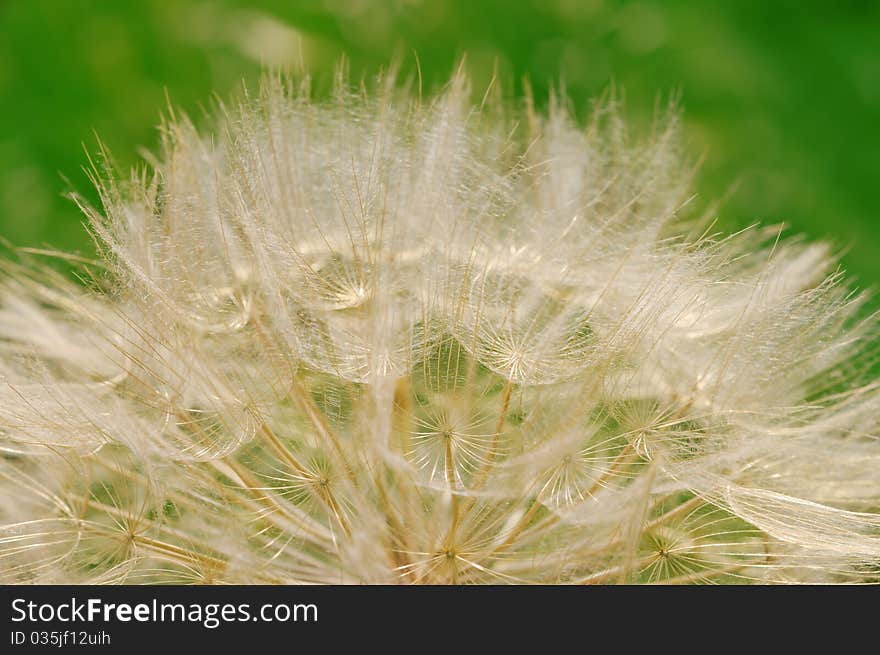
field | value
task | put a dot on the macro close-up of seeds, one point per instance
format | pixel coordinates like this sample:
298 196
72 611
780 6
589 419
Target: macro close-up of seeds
399 336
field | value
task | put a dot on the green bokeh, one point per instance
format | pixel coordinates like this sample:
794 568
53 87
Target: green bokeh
782 99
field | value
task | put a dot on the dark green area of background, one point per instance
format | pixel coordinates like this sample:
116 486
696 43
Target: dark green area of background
781 98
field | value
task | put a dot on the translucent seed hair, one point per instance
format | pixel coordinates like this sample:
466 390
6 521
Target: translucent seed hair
387 338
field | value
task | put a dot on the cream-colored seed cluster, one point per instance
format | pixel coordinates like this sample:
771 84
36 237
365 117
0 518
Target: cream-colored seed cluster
387 339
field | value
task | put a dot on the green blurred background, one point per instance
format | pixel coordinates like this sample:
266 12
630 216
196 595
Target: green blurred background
781 98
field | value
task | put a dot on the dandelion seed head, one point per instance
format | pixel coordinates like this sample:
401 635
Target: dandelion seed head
383 338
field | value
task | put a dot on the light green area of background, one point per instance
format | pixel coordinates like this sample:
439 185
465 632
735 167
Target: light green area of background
782 98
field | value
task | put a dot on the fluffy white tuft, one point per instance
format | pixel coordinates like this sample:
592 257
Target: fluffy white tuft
385 339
